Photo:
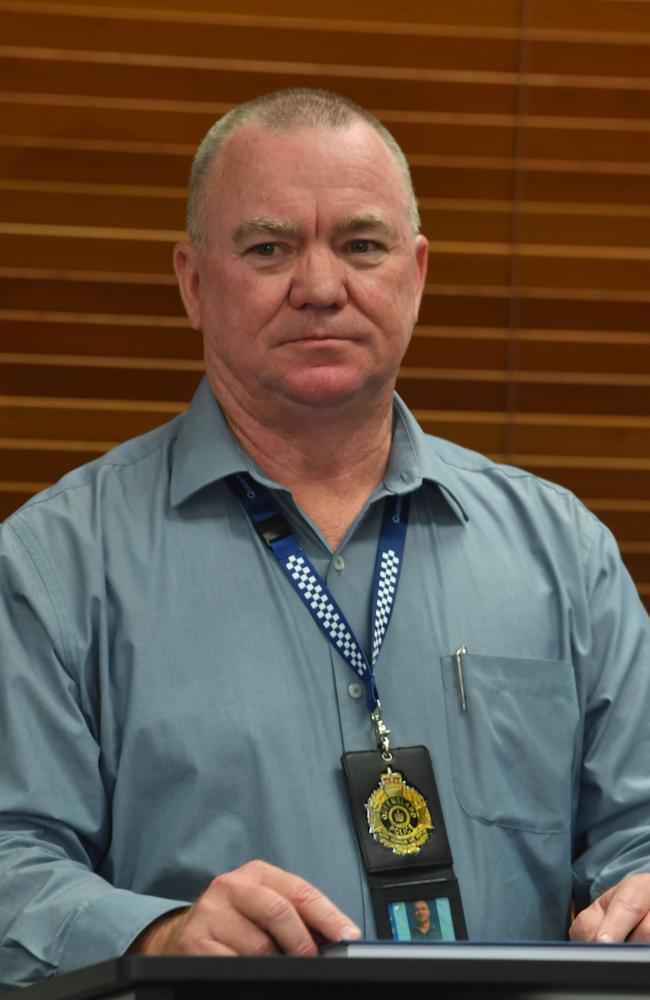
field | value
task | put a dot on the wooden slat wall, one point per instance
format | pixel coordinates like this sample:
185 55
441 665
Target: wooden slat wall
527 123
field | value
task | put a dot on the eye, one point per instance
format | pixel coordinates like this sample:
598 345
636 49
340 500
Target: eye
264 249
363 247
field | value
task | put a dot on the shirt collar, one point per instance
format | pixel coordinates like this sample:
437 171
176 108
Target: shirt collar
414 460
207 451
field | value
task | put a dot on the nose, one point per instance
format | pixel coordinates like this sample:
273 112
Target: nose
318 280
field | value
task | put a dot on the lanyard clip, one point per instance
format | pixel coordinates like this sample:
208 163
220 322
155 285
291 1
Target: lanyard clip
382 733
272 529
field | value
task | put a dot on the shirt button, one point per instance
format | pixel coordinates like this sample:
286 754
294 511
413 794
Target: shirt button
339 563
355 690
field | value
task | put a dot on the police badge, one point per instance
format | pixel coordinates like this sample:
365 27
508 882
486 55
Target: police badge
398 815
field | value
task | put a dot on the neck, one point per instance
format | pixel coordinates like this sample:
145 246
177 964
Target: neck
330 459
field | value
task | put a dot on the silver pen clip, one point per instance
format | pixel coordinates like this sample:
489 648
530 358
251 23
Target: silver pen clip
459 674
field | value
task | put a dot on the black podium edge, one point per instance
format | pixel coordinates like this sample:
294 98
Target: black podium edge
135 971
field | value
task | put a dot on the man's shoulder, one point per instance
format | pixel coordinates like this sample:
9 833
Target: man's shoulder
141 460
476 470
488 489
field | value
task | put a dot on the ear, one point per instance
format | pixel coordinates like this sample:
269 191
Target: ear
421 262
186 266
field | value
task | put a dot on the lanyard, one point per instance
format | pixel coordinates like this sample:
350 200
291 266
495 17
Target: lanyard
273 527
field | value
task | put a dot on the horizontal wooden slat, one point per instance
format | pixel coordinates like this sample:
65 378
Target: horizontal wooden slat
498 14
562 434
107 378
605 16
536 350
107 421
70 71
80 248
91 291
232 36
571 52
535 392
536 308
61 203
611 17
378 86
96 334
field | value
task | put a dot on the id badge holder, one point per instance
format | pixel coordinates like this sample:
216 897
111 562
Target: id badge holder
401 832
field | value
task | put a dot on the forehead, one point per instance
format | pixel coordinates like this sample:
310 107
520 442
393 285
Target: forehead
301 171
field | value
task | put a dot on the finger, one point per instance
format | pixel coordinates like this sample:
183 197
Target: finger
269 911
292 913
587 922
315 909
624 912
641 933
215 921
213 949
320 913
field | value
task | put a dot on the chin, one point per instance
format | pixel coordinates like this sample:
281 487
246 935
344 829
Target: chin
326 389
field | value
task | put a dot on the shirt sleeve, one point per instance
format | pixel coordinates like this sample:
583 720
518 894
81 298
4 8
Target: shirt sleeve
56 913
612 824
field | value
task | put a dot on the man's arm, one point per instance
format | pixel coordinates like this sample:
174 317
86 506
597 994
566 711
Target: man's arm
56 914
255 910
613 818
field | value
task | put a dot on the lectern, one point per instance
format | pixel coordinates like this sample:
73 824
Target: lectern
460 972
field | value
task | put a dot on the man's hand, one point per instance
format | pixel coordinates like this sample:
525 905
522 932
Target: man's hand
254 910
620 914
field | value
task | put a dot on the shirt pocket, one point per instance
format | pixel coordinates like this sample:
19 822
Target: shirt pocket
512 749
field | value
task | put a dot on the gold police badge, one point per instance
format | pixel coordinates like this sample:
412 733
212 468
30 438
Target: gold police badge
398 816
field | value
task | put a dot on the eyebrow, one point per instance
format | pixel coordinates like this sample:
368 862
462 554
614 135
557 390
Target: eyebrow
261 226
368 223
266 227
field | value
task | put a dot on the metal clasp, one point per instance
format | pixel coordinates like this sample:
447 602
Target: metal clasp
382 733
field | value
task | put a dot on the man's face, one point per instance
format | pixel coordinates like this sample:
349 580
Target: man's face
309 285
421 911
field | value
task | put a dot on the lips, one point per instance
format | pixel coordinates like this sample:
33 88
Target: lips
316 336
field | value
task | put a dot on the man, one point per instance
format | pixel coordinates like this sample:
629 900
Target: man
172 719
423 929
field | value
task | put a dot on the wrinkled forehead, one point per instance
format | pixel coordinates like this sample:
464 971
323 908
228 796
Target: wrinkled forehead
244 142
254 158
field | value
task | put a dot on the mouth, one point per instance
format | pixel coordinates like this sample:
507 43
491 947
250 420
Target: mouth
317 337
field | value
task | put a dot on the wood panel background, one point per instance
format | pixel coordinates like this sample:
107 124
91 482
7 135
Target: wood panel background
527 124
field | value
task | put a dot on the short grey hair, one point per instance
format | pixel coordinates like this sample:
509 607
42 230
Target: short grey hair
283 110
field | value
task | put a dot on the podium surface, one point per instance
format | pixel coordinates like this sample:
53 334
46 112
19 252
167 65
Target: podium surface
454 974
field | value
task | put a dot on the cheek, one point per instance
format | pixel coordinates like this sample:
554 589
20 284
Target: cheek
244 304
390 297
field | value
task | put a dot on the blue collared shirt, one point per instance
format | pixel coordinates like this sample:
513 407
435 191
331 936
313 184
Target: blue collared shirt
169 710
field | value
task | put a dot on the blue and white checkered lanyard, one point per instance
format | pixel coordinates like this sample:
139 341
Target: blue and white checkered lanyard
273 527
